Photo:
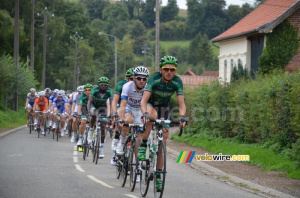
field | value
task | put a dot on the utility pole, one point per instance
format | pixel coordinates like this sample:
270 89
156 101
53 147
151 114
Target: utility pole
16 53
124 58
32 38
78 72
157 35
45 12
145 48
75 74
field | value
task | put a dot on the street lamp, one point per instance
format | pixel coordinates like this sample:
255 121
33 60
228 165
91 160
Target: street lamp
116 54
145 48
125 42
76 73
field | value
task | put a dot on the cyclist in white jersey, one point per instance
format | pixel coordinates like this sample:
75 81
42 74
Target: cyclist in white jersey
130 111
75 101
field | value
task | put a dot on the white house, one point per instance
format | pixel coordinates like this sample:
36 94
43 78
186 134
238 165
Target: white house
244 42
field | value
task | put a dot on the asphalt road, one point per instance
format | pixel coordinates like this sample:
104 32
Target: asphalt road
32 167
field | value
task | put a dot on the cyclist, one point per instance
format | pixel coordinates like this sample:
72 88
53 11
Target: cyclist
30 102
82 111
98 102
51 98
155 103
60 105
41 104
131 97
47 94
116 102
74 111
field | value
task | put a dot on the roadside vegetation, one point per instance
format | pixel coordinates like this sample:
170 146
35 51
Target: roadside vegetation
11 119
258 117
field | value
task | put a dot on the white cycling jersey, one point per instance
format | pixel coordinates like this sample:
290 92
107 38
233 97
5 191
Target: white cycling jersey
75 100
133 98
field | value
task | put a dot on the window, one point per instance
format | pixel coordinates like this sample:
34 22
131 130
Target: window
231 63
240 63
225 70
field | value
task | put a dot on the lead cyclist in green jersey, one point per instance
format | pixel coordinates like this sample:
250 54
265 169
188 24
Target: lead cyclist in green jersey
155 104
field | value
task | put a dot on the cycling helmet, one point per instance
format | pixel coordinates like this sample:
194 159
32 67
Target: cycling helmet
60 94
129 72
42 93
168 60
140 70
47 90
70 96
103 80
56 91
80 89
88 86
63 91
32 90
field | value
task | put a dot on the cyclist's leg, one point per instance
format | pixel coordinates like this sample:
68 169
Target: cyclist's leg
55 117
43 118
36 115
128 120
93 114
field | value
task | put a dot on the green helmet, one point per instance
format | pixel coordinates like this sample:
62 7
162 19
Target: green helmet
88 86
103 80
168 60
129 72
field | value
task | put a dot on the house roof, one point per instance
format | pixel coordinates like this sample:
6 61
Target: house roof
261 20
189 72
210 73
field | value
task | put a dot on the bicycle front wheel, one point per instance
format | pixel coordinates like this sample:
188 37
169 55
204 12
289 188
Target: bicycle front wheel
124 165
160 174
97 147
132 163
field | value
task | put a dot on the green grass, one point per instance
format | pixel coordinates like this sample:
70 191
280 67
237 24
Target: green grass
261 157
10 119
167 44
182 13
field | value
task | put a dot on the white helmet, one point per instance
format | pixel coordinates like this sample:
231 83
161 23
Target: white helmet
80 89
60 94
140 70
32 90
42 93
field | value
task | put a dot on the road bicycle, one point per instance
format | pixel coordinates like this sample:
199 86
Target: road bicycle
97 136
38 128
148 169
85 144
31 121
57 129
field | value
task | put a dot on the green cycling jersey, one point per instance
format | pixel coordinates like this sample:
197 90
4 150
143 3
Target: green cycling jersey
162 92
100 99
119 88
83 100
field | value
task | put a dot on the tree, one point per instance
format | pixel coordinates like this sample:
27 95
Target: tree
95 7
137 29
169 12
195 16
114 14
148 14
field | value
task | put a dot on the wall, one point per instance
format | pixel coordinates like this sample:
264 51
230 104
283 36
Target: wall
233 49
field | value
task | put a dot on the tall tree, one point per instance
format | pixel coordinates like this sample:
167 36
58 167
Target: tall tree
148 14
170 11
195 16
95 7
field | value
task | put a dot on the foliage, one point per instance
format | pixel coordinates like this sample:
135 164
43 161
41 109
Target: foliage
284 35
239 73
170 11
10 119
148 14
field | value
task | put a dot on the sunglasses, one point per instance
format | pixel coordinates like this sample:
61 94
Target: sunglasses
103 85
131 79
140 79
88 89
167 69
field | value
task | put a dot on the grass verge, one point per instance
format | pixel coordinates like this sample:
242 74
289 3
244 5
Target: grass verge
259 156
10 119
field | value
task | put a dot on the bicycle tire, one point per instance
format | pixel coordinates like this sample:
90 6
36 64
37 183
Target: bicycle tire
133 165
97 147
70 128
39 127
144 177
124 170
118 168
30 122
159 194
57 130
85 145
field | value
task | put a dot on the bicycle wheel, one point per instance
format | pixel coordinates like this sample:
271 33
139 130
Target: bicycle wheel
132 163
57 131
39 127
30 123
85 145
97 147
45 126
163 172
144 176
53 132
70 127
118 167
124 160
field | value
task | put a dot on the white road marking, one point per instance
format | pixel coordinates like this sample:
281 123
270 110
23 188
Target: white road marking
75 148
79 168
99 181
75 153
75 159
132 196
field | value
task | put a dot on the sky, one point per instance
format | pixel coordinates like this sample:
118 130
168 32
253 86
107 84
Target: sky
182 3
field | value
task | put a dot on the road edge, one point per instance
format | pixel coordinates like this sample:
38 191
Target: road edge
11 131
253 187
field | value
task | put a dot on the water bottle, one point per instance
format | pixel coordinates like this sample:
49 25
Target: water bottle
152 151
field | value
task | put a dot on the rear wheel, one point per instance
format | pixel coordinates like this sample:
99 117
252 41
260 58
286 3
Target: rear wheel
124 160
97 147
30 123
57 130
162 173
118 167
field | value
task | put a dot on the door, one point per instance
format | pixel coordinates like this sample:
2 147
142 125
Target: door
257 46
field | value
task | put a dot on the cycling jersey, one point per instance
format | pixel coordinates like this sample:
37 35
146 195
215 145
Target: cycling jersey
162 92
118 89
83 100
31 99
60 104
100 99
133 99
41 103
75 100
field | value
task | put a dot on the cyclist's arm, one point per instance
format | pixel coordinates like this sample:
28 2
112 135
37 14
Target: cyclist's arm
122 109
182 108
50 102
91 101
108 107
27 100
79 109
115 102
52 108
73 107
146 97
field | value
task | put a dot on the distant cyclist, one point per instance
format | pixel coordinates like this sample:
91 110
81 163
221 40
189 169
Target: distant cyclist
60 105
98 100
30 102
41 104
